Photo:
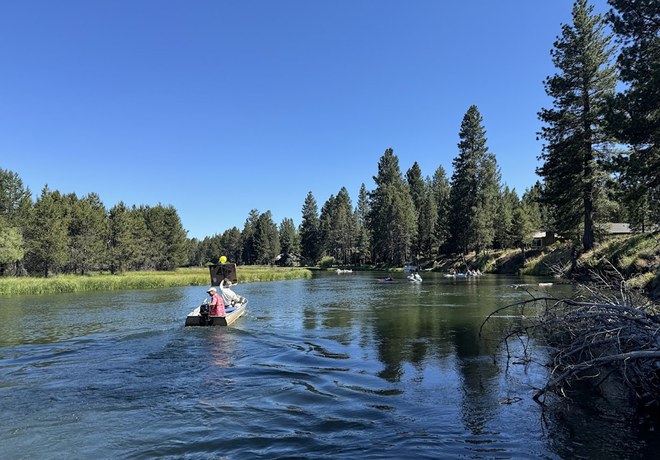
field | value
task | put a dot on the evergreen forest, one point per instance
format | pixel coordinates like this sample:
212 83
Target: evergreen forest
600 163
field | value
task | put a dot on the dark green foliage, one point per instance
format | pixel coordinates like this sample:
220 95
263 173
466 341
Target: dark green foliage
528 217
47 234
67 234
142 250
194 251
266 239
427 220
419 194
345 227
326 227
523 229
338 227
540 214
166 238
15 206
289 243
635 118
363 231
310 229
118 238
392 217
576 141
488 191
12 247
127 241
88 233
505 223
15 200
231 243
210 250
249 245
440 191
474 188
260 239
146 238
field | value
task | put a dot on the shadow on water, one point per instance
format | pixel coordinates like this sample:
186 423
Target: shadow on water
337 366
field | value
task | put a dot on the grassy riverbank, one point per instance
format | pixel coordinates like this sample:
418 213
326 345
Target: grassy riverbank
141 280
635 258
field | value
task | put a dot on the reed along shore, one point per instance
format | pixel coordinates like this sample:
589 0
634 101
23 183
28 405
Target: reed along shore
198 276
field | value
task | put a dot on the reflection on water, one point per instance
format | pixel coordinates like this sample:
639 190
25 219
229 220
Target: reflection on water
337 366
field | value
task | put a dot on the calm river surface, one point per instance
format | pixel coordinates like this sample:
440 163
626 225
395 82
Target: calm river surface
339 366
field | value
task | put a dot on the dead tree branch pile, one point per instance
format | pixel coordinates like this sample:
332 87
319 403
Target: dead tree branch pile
594 340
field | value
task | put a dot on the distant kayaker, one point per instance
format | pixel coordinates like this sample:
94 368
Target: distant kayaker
216 306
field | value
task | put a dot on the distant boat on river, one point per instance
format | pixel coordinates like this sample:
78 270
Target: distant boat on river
469 274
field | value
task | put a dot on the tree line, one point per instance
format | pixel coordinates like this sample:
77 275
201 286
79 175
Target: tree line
64 233
600 163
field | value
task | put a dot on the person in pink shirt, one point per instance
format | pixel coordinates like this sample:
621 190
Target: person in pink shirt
217 306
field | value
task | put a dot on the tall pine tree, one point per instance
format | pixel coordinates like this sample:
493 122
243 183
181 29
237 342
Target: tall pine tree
576 140
418 194
363 231
440 190
289 242
392 217
427 218
88 233
248 236
310 241
505 223
266 239
636 120
47 233
232 245
474 188
338 227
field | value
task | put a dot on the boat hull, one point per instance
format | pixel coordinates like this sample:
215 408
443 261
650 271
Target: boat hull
195 319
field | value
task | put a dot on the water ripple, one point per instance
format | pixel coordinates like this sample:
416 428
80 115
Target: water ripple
328 368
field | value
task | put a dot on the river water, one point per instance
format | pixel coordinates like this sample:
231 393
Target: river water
339 366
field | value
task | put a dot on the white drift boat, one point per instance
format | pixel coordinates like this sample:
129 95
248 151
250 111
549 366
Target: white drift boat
224 276
195 318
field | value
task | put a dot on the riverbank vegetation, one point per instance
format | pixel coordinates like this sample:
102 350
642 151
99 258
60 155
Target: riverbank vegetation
632 260
140 280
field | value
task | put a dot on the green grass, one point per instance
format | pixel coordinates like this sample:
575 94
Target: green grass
640 281
140 280
558 257
633 254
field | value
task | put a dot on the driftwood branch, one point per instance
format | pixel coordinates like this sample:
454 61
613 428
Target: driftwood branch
653 355
596 339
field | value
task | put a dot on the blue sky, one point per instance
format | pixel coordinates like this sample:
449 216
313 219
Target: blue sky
219 107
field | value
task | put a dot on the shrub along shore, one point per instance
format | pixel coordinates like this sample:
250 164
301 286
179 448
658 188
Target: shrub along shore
198 276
